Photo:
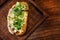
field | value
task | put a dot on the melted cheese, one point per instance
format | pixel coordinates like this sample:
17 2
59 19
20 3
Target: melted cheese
11 21
11 18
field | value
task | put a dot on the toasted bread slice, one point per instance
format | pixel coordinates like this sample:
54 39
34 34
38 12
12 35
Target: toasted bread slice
13 29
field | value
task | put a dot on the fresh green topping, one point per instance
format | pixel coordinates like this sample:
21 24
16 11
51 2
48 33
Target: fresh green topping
18 23
18 12
16 17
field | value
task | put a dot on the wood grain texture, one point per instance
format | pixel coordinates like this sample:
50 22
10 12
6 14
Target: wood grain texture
50 29
2 1
33 19
52 7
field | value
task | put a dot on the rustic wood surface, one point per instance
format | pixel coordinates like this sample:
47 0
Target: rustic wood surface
2 1
48 30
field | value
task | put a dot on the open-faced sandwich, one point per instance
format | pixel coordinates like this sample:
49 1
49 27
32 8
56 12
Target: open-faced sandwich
17 18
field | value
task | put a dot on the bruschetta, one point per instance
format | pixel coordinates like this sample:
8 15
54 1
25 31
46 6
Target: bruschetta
17 18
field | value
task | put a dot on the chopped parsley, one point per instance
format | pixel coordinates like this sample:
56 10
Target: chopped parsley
18 9
18 12
18 23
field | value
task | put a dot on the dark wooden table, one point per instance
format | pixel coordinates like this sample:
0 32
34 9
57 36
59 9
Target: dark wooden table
40 26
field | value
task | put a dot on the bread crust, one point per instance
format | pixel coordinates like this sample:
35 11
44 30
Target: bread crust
23 29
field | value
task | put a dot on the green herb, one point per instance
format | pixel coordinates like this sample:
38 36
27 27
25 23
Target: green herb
18 12
18 24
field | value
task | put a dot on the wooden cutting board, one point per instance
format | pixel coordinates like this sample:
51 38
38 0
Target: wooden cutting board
34 19
39 27
2 1
50 29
